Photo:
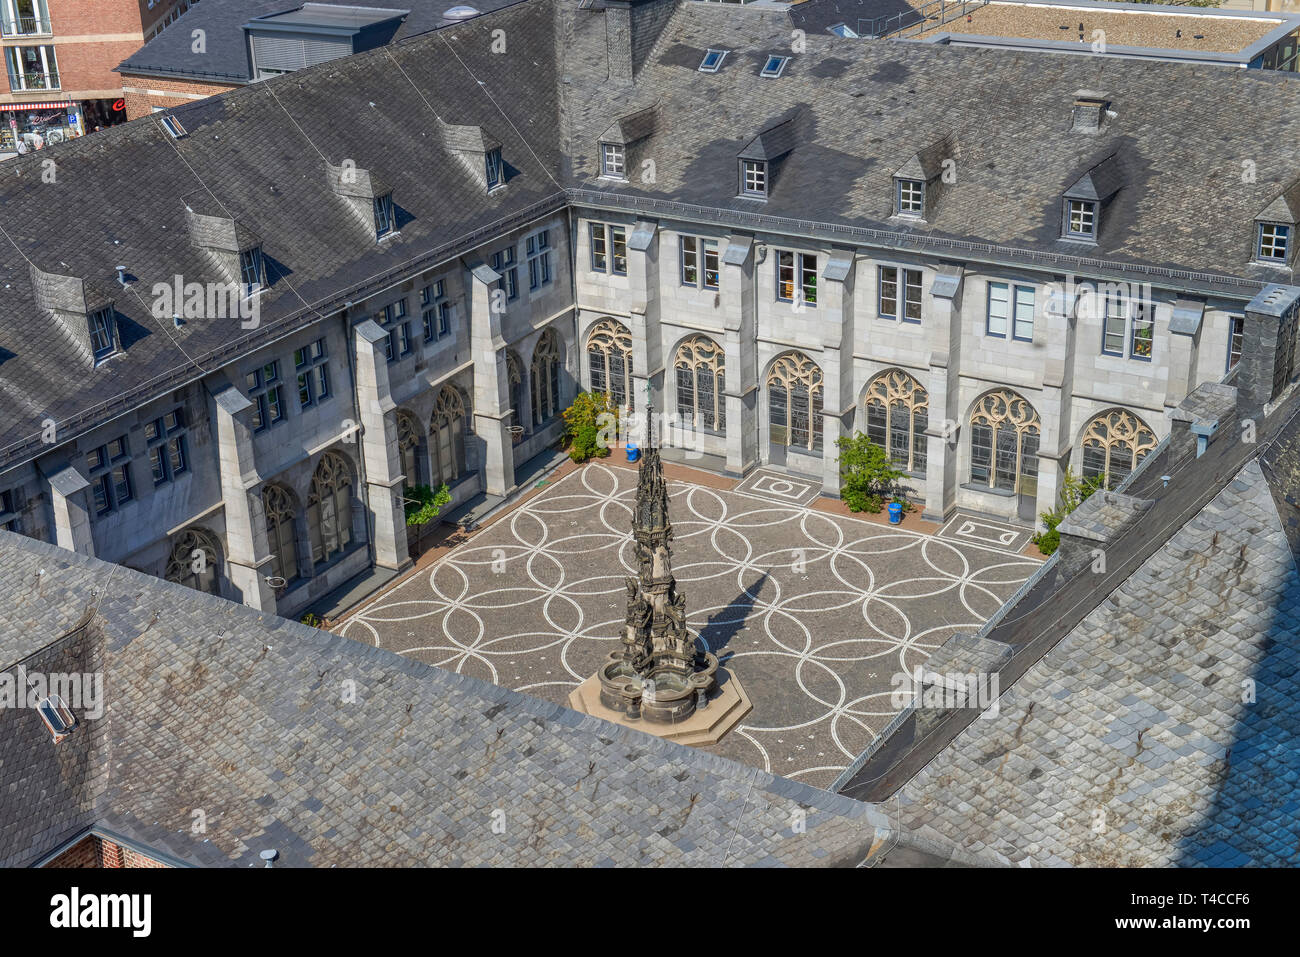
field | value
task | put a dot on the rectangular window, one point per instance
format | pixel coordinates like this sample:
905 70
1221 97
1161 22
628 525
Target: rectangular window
692 275
1274 238
494 169
110 475
1081 219
1143 335
612 160
690 261
911 197
609 249
165 438
774 66
383 215
753 178
436 316
792 267
250 270
101 333
889 289
1010 311
264 391
1236 328
503 262
32 68
537 249
393 318
1128 322
712 61
311 363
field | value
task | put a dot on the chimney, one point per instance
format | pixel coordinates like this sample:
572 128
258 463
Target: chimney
631 29
1089 111
1268 348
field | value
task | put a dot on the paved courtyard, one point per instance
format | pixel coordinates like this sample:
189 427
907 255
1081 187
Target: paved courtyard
815 612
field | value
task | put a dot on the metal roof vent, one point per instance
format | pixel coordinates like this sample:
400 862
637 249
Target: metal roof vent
460 13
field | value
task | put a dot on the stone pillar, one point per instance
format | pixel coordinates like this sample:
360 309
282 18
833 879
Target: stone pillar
942 385
72 529
248 551
1268 345
740 348
835 308
385 482
491 383
644 319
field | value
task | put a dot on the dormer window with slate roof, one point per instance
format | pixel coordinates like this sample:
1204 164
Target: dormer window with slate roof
918 182
383 215
82 311
367 194
252 271
1275 228
1274 242
1084 202
759 157
479 151
103 341
613 161
616 142
753 178
494 172
911 197
712 61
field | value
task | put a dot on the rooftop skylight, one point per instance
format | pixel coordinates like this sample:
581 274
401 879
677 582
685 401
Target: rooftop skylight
774 66
712 61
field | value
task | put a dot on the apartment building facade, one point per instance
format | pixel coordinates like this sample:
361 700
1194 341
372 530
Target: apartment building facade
59 60
427 324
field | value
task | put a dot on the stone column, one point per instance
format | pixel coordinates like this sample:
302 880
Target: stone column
491 382
72 529
248 550
942 385
740 349
835 310
385 482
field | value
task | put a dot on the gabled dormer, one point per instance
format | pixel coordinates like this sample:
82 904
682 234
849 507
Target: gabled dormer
82 311
918 182
233 248
480 153
617 142
759 158
1083 204
367 194
1275 229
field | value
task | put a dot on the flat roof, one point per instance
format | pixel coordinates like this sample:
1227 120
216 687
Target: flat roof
324 15
1169 28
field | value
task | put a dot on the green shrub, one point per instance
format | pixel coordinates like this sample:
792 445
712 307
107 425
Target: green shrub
1074 492
590 426
867 478
423 504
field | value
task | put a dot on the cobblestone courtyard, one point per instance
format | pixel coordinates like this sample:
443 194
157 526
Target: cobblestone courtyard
816 613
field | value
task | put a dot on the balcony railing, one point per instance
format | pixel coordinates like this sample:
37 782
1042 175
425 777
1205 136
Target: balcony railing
25 82
25 26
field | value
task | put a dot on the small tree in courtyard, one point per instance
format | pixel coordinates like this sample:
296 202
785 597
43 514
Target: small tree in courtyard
590 426
1074 492
867 477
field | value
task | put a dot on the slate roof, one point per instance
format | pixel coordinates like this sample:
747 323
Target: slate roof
214 706
225 60
863 109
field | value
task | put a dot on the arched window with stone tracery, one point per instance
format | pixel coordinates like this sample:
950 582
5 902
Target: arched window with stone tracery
1004 436
515 379
193 561
701 386
280 512
408 448
1114 442
609 359
544 376
794 403
898 413
329 508
447 437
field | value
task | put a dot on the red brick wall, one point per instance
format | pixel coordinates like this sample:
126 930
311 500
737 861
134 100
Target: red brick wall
140 103
94 851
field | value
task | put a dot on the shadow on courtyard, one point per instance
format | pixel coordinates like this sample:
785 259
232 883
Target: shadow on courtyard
725 624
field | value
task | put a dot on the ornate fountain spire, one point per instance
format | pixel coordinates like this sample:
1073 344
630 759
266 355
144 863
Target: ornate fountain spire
657 672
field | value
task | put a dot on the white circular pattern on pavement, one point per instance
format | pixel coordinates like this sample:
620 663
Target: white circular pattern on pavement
816 613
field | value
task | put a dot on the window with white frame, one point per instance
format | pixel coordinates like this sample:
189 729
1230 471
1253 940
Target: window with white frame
699 262
435 310
494 169
165 438
1274 242
613 160
503 262
103 340
796 272
900 288
753 178
774 66
1236 330
393 319
1080 219
32 68
537 250
384 222
609 248
312 365
265 391
712 61
1010 311
110 475
1128 328
911 197
251 270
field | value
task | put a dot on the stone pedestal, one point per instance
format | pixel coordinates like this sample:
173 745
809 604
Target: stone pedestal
726 708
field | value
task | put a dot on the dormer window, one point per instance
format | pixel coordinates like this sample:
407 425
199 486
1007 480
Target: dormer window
753 178
613 161
1274 242
774 66
712 61
101 333
251 270
383 215
1081 219
494 169
911 197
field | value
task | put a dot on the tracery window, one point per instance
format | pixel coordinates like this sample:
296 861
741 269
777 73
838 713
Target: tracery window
794 403
1005 432
898 411
544 377
193 561
1113 444
609 358
701 387
329 508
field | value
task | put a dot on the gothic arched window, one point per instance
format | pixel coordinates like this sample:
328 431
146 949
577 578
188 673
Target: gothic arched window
701 388
408 448
1113 444
609 358
278 503
544 375
794 402
329 508
897 417
447 437
193 561
1004 434
515 377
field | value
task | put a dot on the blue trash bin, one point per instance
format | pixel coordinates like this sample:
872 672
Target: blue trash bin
633 452
895 513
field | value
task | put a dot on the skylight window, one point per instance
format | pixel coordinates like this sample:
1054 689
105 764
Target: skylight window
842 30
774 66
712 61
173 126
